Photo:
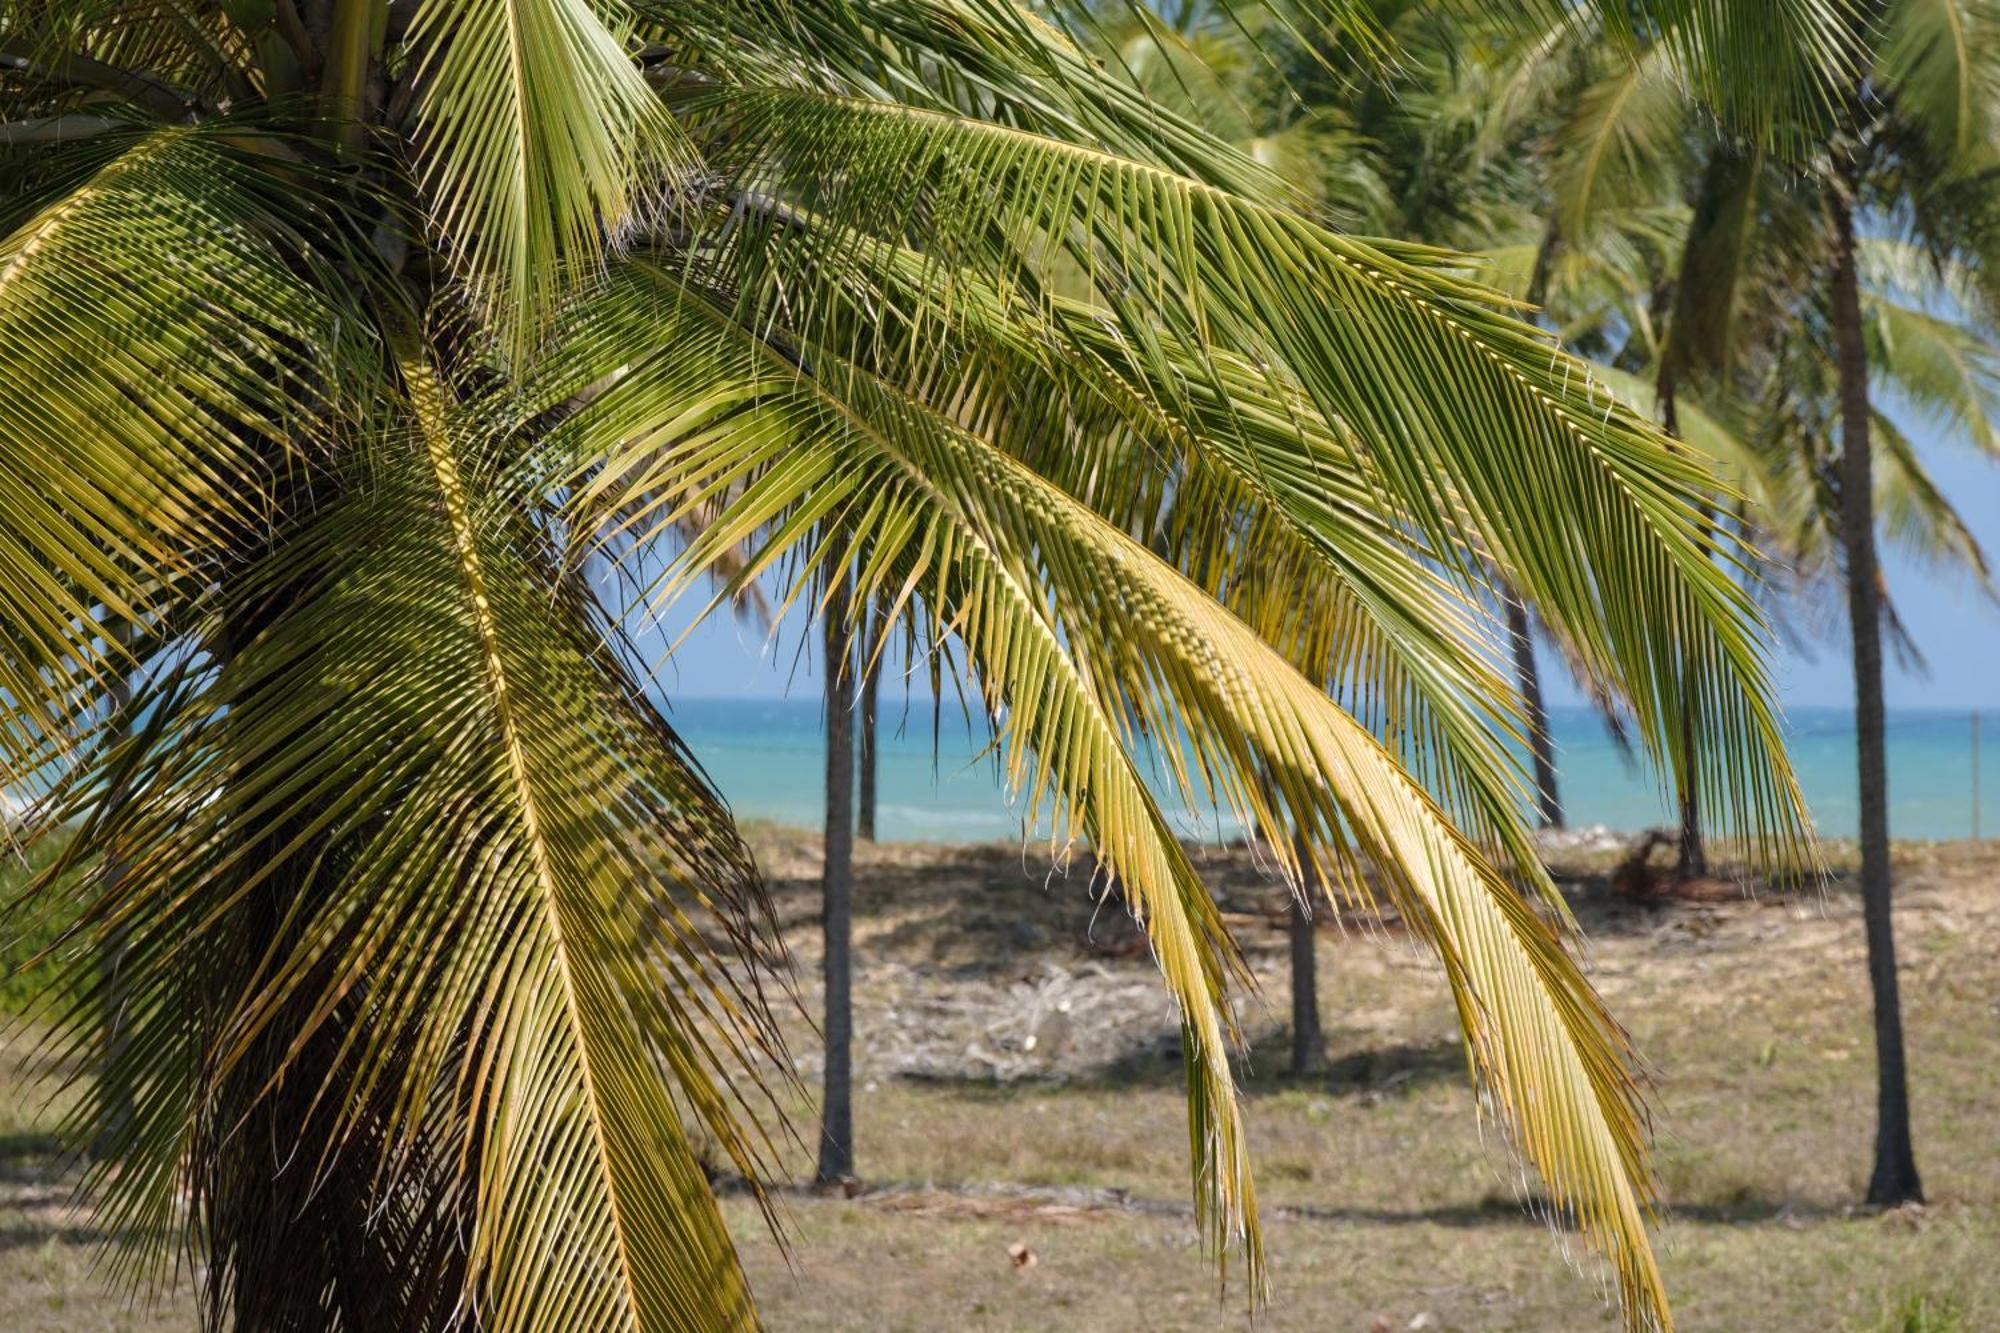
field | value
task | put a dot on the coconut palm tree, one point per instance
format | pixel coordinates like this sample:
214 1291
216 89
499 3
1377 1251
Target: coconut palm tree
1901 147
360 352
1906 302
836 1131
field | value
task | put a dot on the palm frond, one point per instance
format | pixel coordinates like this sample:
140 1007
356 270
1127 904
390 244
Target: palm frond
165 351
414 878
1621 140
1942 58
719 413
1163 252
1917 516
1938 365
540 139
1232 476
1779 71
1063 617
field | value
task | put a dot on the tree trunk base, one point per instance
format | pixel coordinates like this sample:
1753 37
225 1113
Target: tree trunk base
1308 1041
1895 1181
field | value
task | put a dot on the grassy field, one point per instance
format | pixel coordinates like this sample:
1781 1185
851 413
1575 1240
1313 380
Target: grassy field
1021 1129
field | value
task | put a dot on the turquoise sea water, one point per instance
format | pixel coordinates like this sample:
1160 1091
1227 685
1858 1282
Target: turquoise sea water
766 756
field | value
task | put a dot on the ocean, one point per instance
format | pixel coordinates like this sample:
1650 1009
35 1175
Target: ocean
766 756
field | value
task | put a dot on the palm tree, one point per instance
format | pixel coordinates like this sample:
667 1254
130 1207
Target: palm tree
357 352
836 1133
1898 146
1912 307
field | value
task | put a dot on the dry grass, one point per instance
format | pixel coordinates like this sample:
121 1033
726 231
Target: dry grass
1387 1210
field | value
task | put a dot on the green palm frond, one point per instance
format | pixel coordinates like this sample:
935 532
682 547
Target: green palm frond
166 57
164 353
1943 59
1161 251
540 137
1621 142
1029 579
1937 365
1917 516
1780 70
721 409
494 882
1232 475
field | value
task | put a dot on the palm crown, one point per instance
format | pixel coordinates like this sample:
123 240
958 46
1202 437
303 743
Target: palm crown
351 339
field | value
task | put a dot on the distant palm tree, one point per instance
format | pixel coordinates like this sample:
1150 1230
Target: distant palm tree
1915 138
836 1131
1781 312
353 348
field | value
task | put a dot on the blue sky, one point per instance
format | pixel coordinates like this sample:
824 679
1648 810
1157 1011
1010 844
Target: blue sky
1956 626
1954 623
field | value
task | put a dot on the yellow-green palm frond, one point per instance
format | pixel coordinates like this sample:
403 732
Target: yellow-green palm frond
1345 321
719 412
1916 514
1942 58
994 60
1622 141
1938 365
542 142
169 59
1235 478
164 351
1091 648
482 889
1779 71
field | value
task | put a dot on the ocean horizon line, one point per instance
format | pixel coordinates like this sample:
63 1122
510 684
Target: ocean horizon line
938 780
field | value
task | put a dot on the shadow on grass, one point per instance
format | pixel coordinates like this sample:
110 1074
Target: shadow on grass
1373 1072
38 1178
1500 1210
29 1158
33 1237
973 1201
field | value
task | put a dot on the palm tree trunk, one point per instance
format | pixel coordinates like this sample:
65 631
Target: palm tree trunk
116 1096
1548 798
1308 1043
1894 1179
1528 675
1692 861
345 77
836 1139
871 679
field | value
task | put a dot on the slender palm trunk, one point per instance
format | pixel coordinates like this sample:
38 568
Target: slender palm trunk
345 81
1548 798
1894 1179
1692 861
1308 1043
116 1096
871 679
1520 634
836 1138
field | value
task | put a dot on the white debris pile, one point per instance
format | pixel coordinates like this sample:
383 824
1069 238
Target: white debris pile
1590 839
1050 1020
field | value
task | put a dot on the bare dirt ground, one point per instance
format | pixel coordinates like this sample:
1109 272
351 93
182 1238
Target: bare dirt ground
1022 1137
